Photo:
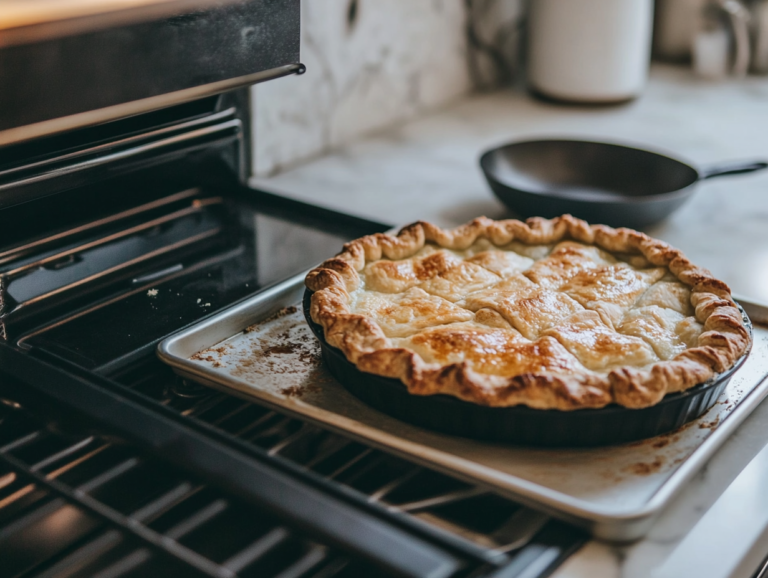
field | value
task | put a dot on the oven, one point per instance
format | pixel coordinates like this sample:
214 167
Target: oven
124 218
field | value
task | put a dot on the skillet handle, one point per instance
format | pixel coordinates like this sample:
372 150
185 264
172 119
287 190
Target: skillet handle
734 168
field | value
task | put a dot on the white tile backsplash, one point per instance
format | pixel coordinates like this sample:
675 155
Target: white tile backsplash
370 64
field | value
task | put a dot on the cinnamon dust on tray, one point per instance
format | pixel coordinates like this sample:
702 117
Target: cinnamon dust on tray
201 356
647 468
663 442
298 391
278 355
710 425
274 348
280 349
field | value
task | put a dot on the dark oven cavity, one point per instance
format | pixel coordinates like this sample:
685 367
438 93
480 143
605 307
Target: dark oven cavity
113 236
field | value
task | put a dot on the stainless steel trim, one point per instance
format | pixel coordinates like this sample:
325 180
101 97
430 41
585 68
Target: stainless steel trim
612 524
233 125
92 117
179 127
27 21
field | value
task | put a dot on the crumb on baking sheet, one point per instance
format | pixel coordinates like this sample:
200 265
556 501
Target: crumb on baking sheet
711 425
647 468
282 349
298 390
658 444
278 354
290 310
659 441
152 293
205 356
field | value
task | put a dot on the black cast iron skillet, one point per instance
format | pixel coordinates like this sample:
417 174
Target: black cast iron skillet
599 182
520 424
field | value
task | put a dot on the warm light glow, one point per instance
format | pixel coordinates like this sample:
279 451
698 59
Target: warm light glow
16 495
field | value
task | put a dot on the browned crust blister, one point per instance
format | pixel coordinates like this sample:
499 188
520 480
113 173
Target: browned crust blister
724 340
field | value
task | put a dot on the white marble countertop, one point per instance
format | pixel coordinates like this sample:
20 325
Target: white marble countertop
427 169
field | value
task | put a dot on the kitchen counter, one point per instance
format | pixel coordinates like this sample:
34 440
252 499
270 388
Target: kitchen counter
427 169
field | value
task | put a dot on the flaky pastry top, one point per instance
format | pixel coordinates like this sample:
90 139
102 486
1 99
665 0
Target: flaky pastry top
549 313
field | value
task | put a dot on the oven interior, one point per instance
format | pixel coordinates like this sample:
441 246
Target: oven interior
115 236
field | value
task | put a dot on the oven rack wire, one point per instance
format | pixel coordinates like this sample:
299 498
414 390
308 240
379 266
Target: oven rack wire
471 518
93 507
445 523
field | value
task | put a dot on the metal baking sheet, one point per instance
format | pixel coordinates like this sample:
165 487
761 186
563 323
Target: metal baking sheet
263 349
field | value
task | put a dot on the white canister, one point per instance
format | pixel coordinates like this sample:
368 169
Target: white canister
589 50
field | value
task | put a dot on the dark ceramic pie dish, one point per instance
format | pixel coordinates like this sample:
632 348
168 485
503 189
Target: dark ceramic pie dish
610 425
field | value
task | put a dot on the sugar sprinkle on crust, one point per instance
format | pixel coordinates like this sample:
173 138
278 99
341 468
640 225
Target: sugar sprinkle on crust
541 367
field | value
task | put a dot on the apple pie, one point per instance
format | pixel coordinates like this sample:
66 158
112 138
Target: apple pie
552 314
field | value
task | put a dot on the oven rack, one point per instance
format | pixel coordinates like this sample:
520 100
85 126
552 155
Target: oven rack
349 498
431 536
81 505
445 506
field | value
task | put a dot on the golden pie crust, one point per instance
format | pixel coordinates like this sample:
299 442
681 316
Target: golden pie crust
549 313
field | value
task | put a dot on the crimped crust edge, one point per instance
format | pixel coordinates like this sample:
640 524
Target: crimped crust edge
724 340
